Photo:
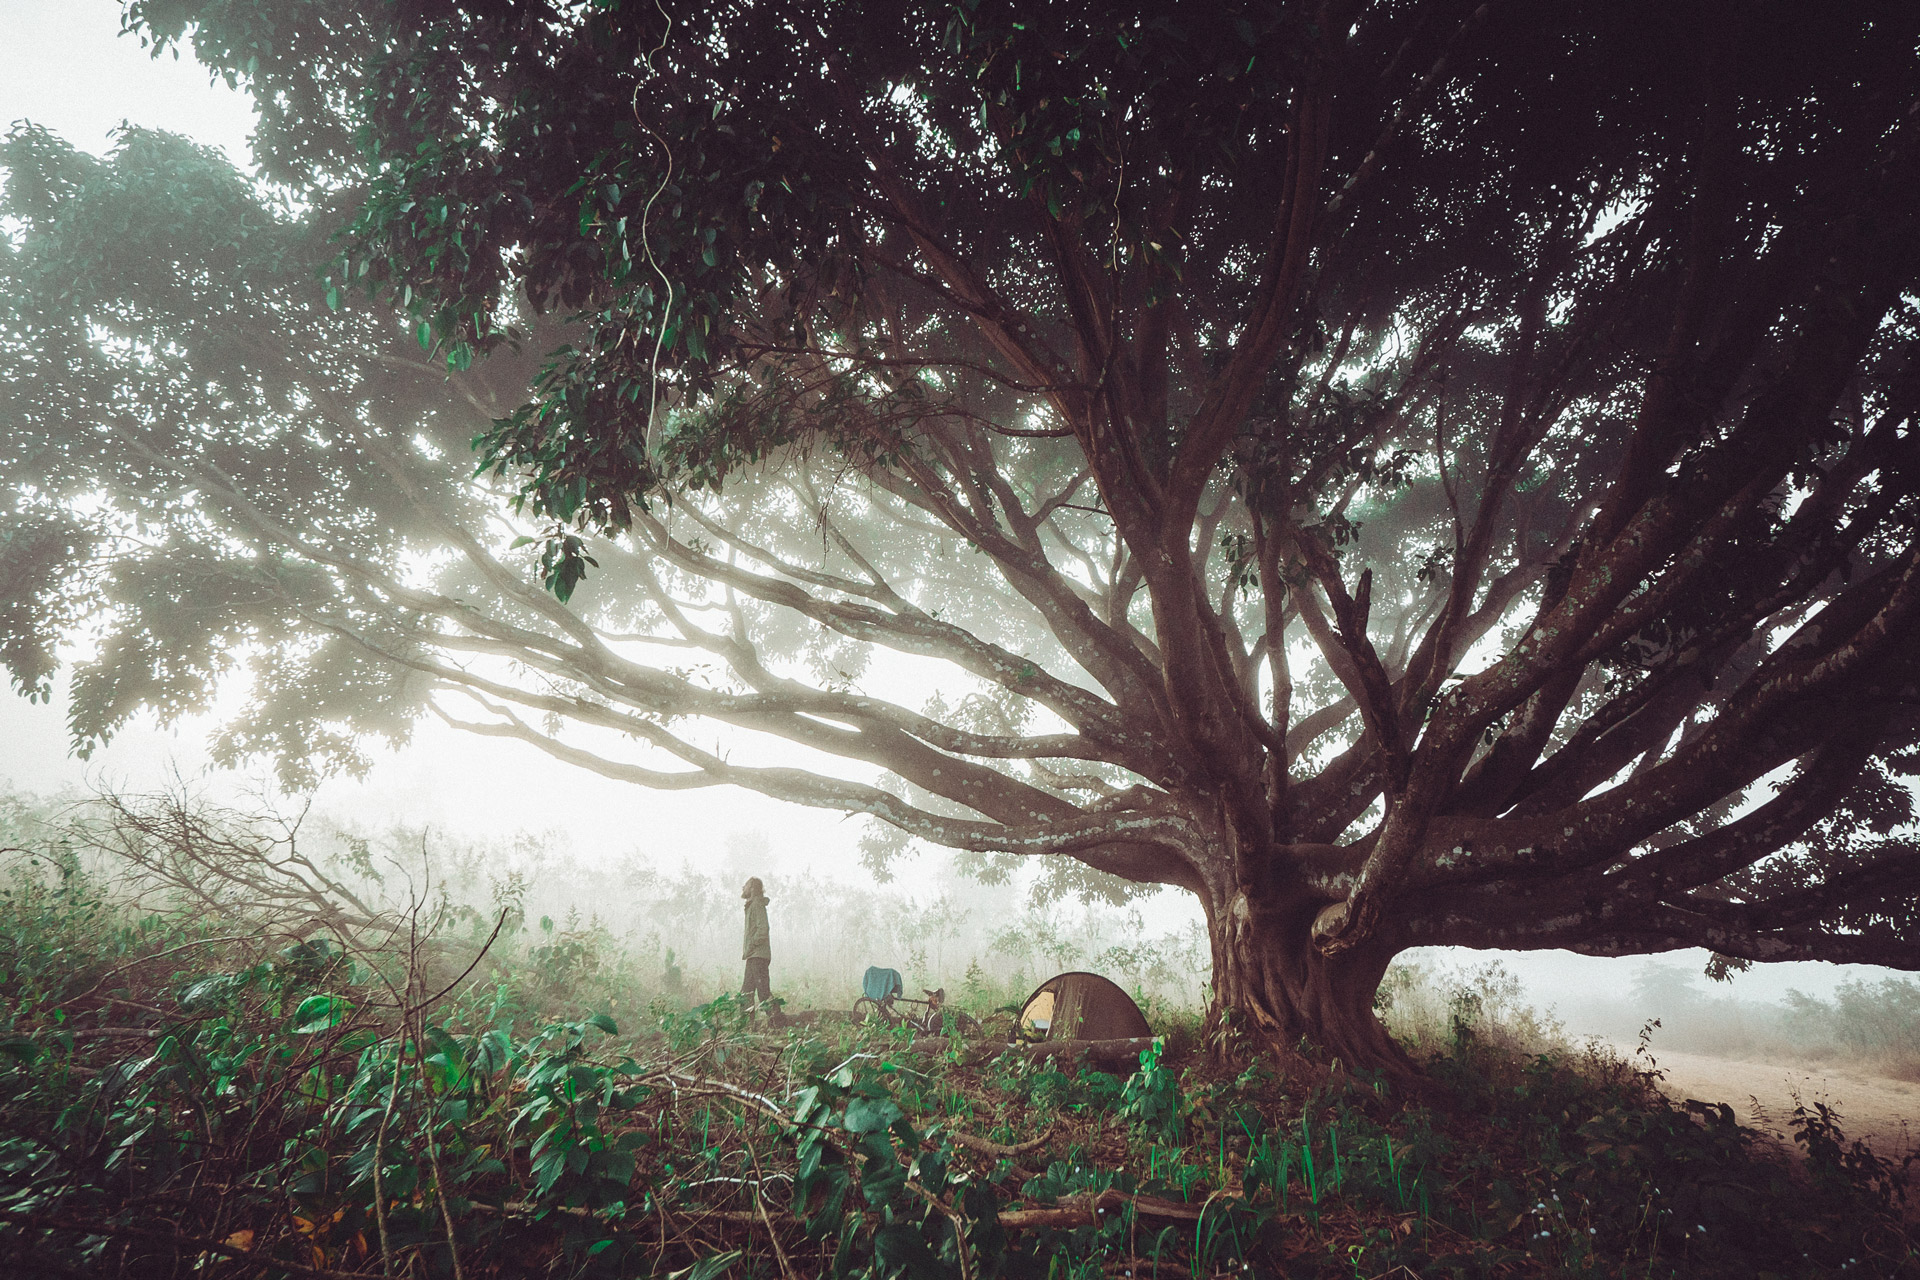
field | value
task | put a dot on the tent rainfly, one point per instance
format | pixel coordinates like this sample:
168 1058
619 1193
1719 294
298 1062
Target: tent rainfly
1081 1006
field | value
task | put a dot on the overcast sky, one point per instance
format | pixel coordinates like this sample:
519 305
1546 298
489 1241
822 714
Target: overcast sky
64 65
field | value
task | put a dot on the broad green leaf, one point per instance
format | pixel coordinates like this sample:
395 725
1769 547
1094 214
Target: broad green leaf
548 1168
320 1013
871 1115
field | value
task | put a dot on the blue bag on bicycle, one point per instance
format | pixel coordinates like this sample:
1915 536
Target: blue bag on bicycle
881 984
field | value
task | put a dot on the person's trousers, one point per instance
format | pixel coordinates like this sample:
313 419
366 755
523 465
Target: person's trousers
757 983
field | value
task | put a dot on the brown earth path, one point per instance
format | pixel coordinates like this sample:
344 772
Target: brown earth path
1883 1112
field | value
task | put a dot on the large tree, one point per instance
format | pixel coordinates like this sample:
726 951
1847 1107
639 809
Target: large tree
1407 473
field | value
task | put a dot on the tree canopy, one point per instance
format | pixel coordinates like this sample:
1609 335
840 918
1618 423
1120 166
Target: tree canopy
1406 472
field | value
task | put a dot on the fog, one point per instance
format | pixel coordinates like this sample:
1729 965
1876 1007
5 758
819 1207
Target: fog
627 859
63 65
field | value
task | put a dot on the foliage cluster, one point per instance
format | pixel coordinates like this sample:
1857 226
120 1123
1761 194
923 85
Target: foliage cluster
1426 1005
1865 1019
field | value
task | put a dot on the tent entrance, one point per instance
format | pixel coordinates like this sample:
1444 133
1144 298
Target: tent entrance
1081 1006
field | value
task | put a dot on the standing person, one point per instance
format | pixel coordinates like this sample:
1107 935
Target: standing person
758 949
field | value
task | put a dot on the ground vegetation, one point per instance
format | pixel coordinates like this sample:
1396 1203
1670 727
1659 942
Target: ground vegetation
185 1092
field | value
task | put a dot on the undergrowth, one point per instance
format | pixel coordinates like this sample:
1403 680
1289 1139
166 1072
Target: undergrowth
182 1097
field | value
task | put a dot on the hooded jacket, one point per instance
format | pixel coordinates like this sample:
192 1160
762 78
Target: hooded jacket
758 944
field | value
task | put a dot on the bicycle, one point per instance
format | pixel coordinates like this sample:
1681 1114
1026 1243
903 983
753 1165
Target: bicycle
932 1022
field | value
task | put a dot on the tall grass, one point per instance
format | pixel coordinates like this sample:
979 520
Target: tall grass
1432 1008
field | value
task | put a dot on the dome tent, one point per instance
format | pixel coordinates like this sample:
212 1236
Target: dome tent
1081 1006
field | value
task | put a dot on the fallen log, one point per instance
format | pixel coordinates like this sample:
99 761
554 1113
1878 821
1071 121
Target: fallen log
1157 1267
1110 1055
114 1033
1067 1212
1107 1053
1084 1211
1004 1150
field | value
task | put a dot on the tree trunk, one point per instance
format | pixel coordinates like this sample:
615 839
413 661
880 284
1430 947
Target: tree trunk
1271 983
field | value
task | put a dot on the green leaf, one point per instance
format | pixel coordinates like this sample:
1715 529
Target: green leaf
708 1267
605 1023
871 1115
21 1049
320 1013
548 1168
811 1099
449 1071
423 334
492 1051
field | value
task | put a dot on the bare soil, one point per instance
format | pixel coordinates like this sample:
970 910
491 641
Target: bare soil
1883 1112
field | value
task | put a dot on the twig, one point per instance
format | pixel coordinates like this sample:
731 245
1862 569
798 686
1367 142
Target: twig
960 1247
779 1251
158 955
699 1084
439 1178
956 1220
418 1026
464 973
379 1143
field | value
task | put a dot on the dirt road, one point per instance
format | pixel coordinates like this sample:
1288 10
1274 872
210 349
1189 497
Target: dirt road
1884 1112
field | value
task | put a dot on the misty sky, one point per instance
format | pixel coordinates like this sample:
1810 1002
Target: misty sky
63 65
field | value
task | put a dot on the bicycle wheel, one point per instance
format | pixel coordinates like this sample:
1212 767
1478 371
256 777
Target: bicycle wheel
963 1023
866 1009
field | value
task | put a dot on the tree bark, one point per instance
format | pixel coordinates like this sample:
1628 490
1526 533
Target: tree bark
1273 985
